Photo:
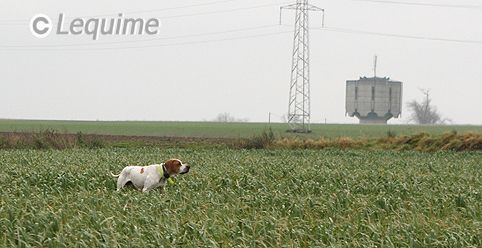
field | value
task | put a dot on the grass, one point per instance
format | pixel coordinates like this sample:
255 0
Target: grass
300 198
51 139
419 142
222 130
57 190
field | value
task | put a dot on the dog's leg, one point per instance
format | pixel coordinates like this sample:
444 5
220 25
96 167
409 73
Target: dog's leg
121 182
147 188
150 183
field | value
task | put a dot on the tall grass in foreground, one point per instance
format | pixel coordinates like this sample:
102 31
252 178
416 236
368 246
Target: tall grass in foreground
235 197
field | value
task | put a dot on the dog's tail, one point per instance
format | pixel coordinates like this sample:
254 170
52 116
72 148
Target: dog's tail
114 175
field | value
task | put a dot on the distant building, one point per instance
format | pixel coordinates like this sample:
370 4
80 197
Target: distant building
373 100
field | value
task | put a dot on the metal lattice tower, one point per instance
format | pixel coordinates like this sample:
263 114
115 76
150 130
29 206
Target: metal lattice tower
299 109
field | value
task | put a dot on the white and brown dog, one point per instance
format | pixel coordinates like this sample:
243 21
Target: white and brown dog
149 177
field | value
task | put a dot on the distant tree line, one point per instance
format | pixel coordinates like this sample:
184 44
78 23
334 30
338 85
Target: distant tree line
227 117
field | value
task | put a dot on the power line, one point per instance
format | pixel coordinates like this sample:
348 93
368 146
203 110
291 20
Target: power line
143 40
83 46
461 6
393 35
221 11
465 6
22 22
150 46
355 31
144 11
173 8
329 29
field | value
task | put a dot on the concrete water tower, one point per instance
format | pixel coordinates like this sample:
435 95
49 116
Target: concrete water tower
374 100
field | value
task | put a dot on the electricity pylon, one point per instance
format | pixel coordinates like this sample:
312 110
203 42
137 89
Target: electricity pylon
299 109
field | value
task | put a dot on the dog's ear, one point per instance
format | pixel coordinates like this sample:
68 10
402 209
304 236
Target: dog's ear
168 165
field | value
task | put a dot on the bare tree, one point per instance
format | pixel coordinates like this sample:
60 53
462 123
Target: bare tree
424 112
224 117
227 117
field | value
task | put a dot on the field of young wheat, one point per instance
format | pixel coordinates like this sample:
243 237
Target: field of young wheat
255 198
223 129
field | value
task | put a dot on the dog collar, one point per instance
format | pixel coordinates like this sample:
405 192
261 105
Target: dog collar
164 172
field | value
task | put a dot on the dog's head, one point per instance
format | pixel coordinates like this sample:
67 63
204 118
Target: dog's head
175 166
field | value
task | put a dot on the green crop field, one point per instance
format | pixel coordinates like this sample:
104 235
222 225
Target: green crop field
255 198
220 130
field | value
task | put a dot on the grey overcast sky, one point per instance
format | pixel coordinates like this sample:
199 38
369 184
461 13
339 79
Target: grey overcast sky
242 66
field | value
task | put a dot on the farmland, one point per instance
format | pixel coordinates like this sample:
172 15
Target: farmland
355 186
259 198
220 130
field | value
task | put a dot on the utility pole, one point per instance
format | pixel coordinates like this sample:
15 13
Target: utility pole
299 109
375 60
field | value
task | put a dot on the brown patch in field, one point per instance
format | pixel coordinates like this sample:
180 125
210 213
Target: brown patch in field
51 139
